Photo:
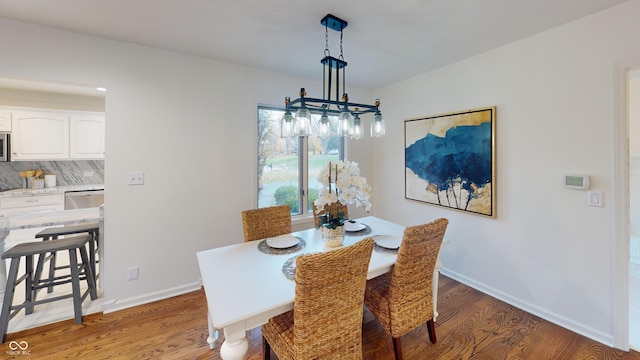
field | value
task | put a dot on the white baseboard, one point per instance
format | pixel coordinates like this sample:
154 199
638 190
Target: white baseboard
111 305
557 319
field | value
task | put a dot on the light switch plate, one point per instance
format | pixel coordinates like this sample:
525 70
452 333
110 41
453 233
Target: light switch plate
594 198
136 178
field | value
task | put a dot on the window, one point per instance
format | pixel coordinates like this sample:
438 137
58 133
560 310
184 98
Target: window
288 168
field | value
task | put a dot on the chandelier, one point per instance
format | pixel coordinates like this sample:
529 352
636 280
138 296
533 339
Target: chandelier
349 122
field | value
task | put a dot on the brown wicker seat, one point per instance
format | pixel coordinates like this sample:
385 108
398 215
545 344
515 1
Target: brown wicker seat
266 222
341 208
326 320
402 298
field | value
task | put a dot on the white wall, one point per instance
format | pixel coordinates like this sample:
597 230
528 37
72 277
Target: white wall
634 113
189 123
547 251
634 154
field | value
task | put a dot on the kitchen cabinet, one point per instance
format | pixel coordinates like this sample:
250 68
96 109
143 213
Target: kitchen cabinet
86 132
5 121
14 205
56 135
39 135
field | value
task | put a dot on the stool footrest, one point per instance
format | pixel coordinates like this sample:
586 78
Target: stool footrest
58 280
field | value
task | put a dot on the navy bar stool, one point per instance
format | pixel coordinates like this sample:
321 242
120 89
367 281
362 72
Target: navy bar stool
78 271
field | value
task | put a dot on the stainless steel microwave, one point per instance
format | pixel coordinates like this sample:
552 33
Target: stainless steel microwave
5 147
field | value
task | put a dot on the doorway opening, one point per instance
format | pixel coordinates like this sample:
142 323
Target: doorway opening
80 165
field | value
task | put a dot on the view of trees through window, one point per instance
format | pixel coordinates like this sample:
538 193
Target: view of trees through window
289 167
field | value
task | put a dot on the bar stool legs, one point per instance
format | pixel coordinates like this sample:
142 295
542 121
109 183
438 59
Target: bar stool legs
53 233
78 271
51 258
8 298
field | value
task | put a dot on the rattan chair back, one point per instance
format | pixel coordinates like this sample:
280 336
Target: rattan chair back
326 320
410 286
266 222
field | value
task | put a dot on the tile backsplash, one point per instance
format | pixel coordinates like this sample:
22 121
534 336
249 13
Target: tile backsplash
67 172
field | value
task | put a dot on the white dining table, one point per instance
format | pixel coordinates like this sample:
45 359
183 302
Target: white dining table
245 287
43 219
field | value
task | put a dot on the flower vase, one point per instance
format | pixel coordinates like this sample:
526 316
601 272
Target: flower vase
333 237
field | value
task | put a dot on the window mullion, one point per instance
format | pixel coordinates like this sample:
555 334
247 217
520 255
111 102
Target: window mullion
303 175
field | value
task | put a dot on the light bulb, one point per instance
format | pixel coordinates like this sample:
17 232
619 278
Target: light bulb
377 126
303 122
324 129
287 125
344 122
355 131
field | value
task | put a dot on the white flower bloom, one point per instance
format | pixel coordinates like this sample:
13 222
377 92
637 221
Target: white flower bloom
346 187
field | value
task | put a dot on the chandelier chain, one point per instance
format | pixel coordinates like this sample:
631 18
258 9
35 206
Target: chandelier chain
326 41
341 55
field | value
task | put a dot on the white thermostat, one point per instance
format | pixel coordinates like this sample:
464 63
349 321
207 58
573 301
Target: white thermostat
575 181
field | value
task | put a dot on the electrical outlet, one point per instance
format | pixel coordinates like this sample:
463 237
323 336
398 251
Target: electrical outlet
88 173
136 178
133 273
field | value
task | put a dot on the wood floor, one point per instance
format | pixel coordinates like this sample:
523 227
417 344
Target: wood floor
471 325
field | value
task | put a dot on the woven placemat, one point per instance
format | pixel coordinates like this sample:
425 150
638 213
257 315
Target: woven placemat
365 231
379 248
289 268
263 247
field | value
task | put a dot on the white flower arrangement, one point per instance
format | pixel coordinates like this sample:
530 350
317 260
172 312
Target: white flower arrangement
343 184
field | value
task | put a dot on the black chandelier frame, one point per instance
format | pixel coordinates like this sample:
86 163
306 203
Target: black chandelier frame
329 105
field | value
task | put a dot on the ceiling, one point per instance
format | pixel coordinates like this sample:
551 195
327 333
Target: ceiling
385 41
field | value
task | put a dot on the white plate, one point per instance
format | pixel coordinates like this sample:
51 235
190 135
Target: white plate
387 241
349 226
282 241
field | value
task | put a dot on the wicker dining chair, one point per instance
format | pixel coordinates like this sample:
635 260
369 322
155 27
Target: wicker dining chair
326 320
266 222
341 209
402 298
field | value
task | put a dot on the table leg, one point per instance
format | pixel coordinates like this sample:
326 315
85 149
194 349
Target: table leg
235 345
213 333
436 274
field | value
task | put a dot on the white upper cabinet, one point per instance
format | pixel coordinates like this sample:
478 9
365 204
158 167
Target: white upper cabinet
5 121
86 133
56 135
39 136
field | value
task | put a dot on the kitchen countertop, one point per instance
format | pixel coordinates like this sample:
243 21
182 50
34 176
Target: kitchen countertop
49 218
52 190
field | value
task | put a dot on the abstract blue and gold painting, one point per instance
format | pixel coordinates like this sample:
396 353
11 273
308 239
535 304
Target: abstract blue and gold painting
450 160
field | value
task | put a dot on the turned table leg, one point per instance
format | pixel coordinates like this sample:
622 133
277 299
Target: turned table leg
235 345
213 333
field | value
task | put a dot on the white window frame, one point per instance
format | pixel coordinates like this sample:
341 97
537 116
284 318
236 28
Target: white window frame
303 165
